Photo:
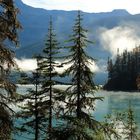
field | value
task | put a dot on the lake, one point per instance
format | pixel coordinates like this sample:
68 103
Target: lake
117 102
113 102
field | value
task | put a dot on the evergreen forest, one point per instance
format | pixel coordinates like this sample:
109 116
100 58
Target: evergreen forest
46 112
124 72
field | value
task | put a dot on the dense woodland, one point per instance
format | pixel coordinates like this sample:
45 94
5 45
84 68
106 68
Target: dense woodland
124 72
72 108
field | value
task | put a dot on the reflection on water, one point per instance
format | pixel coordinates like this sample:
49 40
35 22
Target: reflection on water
118 102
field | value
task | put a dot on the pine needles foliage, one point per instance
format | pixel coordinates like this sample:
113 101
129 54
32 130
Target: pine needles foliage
8 33
79 99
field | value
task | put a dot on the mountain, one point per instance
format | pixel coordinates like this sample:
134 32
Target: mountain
35 25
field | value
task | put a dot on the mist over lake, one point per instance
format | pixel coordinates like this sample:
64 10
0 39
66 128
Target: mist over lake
113 102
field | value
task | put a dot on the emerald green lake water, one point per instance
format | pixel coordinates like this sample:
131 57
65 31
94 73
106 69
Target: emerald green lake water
113 102
118 102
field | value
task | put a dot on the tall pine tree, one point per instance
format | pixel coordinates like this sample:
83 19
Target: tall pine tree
33 112
79 98
8 27
47 67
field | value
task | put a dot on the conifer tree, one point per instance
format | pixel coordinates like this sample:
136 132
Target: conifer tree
117 66
130 130
122 74
47 67
79 99
110 68
8 27
33 111
120 125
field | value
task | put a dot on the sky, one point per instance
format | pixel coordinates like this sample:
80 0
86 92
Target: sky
132 6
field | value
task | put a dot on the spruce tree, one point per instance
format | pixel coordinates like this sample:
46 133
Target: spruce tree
79 98
8 33
120 126
122 74
110 68
130 129
33 111
47 67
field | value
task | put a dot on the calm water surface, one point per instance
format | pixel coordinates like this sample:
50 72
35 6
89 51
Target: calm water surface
118 101
113 102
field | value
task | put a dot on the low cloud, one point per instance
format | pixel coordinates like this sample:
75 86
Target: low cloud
102 63
26 64
95 67
31 64
121 37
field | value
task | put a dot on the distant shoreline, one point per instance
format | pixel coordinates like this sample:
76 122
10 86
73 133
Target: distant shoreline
66 86
121 90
